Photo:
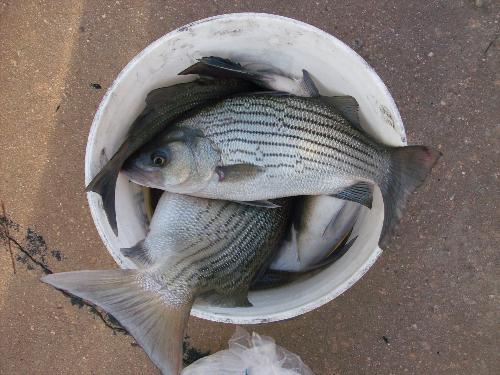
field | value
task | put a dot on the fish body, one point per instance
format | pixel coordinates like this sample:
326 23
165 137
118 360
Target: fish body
227 242
289 146
321 225
271 146
195 247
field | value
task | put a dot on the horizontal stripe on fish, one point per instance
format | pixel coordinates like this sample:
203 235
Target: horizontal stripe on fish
228 252
318 115
209 254
334 144
354 163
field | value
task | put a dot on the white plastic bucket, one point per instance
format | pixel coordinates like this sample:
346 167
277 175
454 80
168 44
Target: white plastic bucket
291 46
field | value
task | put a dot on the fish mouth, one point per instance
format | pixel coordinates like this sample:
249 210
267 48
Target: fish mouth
137 175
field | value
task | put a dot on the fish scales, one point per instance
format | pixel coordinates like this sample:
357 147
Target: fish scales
210 255
289 137
226 262
318 115
323 136
218 257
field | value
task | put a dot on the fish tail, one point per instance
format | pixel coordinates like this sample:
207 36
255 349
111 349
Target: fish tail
104 184
409 166
155 324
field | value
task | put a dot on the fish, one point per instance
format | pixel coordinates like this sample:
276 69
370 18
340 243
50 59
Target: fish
162 106
259 146
320 226
195 248
218 78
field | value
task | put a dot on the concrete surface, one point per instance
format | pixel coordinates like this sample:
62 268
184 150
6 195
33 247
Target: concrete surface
428 306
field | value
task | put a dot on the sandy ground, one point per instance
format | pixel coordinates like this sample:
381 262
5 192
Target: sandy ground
428 306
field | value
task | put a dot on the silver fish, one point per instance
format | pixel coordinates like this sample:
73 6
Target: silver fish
262 146
321 224
195 247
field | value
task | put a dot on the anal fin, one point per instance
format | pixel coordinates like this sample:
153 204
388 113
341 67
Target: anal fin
361 192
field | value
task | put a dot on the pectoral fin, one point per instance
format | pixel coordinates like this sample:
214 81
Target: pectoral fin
238 172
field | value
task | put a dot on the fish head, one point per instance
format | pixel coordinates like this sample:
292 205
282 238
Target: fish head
180 161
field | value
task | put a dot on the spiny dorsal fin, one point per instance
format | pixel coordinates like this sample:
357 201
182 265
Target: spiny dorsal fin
308 84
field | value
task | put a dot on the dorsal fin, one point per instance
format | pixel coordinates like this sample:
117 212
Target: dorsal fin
308 84
346 105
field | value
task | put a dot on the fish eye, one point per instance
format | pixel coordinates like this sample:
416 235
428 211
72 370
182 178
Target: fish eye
158 160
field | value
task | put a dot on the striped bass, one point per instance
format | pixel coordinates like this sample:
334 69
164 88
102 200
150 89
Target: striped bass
195 248
260 146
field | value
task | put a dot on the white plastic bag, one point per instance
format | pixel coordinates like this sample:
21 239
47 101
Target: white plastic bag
249 355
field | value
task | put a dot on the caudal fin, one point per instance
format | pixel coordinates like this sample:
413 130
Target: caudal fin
409 168
157 326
